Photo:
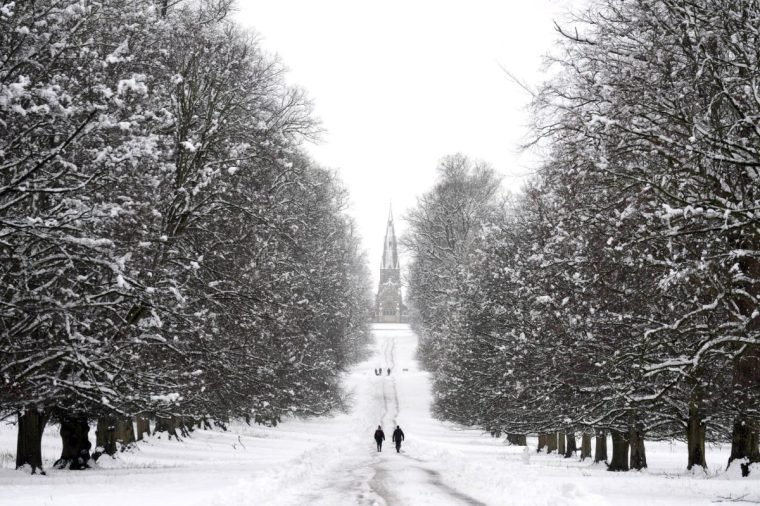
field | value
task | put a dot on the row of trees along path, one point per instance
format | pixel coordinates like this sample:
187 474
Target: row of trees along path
619 292
167 250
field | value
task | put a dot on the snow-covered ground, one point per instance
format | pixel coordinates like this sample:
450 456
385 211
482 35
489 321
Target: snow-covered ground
333 461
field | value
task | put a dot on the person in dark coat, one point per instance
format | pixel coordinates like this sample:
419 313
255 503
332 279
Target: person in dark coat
379 438
398 436
389 371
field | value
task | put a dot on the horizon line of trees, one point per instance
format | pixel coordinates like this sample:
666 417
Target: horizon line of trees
167 249
619 293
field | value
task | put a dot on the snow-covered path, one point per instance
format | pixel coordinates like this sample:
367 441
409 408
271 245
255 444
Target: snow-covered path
403 478
354 472
333 461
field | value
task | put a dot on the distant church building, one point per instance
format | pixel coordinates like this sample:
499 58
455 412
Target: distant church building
389 306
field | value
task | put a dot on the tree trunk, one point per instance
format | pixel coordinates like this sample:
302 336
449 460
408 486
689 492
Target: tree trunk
745 435
184 428
76 443
746 374
695 438
105 436
585 446
168 425
112 434
600 452
125 432
31 424
541 442
561 443
522 440
572 446
551 442
744 444
636 442
619 460
143 426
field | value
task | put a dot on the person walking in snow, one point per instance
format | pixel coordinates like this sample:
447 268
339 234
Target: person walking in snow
379 438
398 436
389 371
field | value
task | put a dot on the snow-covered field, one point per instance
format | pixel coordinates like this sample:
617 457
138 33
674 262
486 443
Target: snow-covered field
333 461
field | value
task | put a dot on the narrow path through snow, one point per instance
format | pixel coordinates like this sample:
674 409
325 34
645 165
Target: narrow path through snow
395 478
352 471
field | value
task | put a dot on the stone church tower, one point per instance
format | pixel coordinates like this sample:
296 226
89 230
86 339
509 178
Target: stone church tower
389 306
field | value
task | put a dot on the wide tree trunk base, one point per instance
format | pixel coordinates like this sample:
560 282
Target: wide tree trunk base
541 442
619 461
76 443
143 426
572 446
31 424
745 444
600 450
113 434
168 425
585 446
551 442
695 440
638 453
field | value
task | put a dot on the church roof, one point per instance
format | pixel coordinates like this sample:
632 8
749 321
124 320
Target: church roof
390 250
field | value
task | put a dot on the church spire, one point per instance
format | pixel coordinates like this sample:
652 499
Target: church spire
390 251
389 304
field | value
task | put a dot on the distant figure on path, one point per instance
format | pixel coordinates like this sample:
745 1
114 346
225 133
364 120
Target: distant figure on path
379 438
398 436
389 371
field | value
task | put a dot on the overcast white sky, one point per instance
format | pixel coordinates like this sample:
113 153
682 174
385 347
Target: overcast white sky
400 84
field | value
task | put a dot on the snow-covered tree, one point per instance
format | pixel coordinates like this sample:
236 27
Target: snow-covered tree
167 250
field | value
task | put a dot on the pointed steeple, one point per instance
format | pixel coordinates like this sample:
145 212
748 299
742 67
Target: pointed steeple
390 251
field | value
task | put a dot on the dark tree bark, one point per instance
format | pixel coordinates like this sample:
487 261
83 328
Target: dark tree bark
542 439
572 446
745 435
636 443
561 442
168 425
745 439
113 433
31 424
585 446
105 436
695 438
184 425
619 461
551 442
76 443
522 440
125 432
143 426
600 452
